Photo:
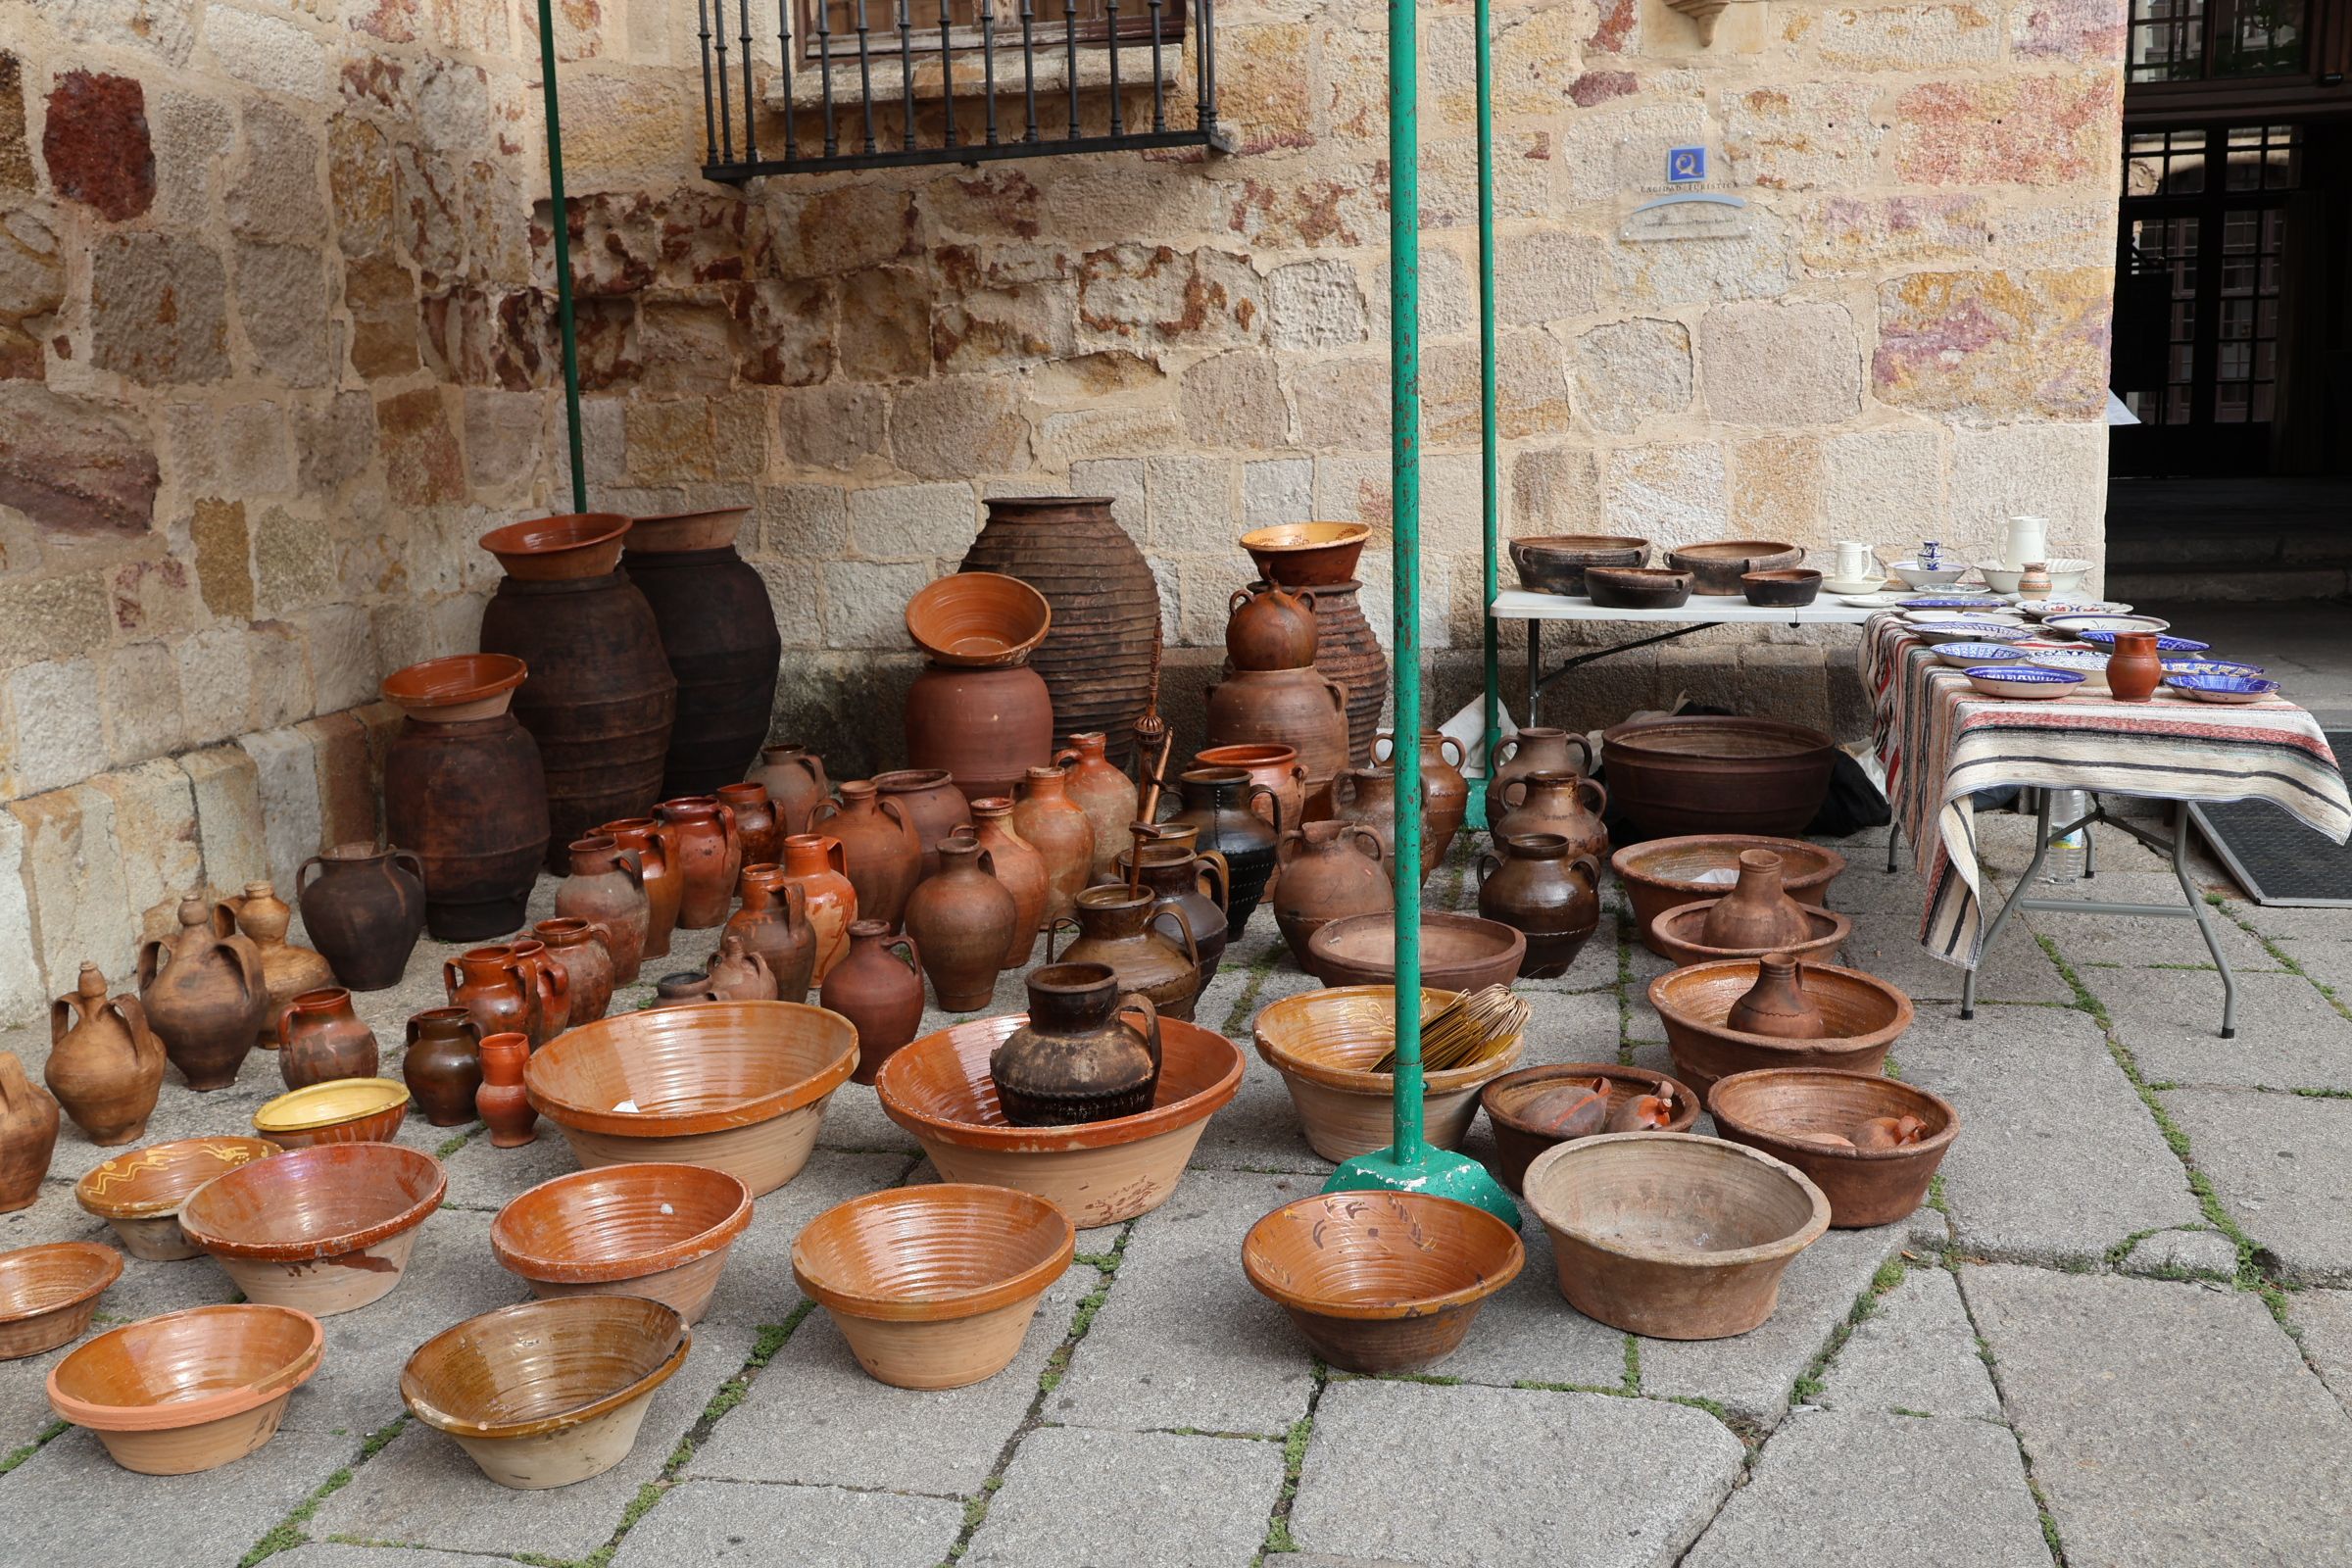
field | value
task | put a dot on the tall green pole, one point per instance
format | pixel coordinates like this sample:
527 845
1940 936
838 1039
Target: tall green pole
1490 462
561 221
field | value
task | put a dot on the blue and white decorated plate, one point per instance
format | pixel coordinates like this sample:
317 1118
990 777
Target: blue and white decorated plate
2164 645
2042 609
2212 666
1962 655
1965 602
2077 625
2023 680
2223 688
1969 631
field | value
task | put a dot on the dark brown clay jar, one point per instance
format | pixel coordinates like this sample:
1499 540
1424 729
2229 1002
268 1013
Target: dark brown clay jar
470 800
1015 862
105 1065
1125 931
550 987
584 950
879 988
606 889
1105 793
1777 1005
682 989
28 1134
323 1038
203 995
1301 708
494 991
962 921
443 1065
501 1103
820 866
1547 892
985 728
1274 767
1564 803
1330 870
1758 916
658 874
719 638
1270 628
1346 651
738 974
1057 828
773 923
1217 806
1444 793
1074 1059
934 806
2133 669
881 855
288 970
760 840
1180 877
700 832
364 911
1538 750
795 779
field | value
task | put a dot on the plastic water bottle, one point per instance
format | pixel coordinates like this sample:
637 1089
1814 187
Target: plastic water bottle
2064 863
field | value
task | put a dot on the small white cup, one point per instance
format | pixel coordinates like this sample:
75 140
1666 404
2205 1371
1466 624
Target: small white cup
1856 561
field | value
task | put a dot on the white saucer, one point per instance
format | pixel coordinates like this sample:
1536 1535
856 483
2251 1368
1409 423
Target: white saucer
1882 601
1858 585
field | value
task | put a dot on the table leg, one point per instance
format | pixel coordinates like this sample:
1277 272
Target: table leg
1535 672
1894 835
2011 904
2204 919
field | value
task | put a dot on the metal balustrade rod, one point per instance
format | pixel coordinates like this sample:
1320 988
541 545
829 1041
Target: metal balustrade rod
1204 33
947 71
751 130
865 76
727 114
1069 49
1118 124
702 11
988 64
792 140
906 70
824 74
1029 65
1159 88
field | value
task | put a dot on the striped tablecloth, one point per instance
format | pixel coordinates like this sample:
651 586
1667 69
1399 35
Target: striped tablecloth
1940 742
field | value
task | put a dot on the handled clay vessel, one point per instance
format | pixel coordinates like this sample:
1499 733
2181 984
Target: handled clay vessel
1123 930
1444 793
701 833
1776 1004
493 989
1270 628
1564 803
879 988
1542 889
962 921
2133 669
773 923
323 1038
288 970
1103 792
28 1134
1758 916
1304 710
443 1065
502 1101
203 994
1076 1059
738 974
795 780
364 911
1058 828
758 834
550 987
1218 805
656 872
933 805
583 947
1538 750
1330 870
882 857
1179 877
820 866
1274 767
105 1065
606 889
1017 864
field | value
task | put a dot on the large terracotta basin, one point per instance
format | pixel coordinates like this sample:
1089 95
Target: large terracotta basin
978 620
660 1231
1671 1235
577 544
341 1110
140 1193
1381 1282
1099 1172
1459 951
934 1287
1661 874
457 687
1864 1013
739 1086
1789 1111
1675 935
1518 1140
1718 774
47 1293
1324 1043
189 1391
1307 555
548 1393
327 1230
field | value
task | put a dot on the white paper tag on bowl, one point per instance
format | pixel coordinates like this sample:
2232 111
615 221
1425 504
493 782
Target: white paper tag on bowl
1720 877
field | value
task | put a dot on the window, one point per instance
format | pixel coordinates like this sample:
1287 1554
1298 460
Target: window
831 26
2200 40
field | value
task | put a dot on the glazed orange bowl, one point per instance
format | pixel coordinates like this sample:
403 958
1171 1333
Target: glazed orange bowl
668 532
978 620
558 549
660 1231
353 1208
140 1193
49 1292
455 689
1807 1117
340 1110
189 1391
1307 555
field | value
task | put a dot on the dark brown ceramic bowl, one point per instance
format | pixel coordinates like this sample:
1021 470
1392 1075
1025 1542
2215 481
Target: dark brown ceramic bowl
558 549
1773 1107
1865 1015
1784 589
1459 951
978 620
1555 563
1517 1141
1662 874
1718 774
1717 566
1636 587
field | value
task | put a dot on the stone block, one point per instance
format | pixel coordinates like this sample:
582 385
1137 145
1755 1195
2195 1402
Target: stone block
158 309
1781 364
1333 414
139 696
155 826
1553 490
1748 265
803 522
1915 1354
999 321
1901 38
380 293
24 990
224 557
2065 30
215 682
1548 275
2015 130
422 466
75 466
95 144
1315 305
2278 1164
1073 435
1277 490
1235 399
294 562
16 152
267 52
1853 233
231 838
1156 294
1668 494
865 602
1629 371
2053 470
1074 1497
2181 1254
1189 507
60 735
116 1517
1803 135
916 521
286 777
347 779
72 869
957 427
886 322
1988 346
274 194
717 1523
1884 485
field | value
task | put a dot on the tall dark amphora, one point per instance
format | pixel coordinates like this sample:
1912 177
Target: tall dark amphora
718 632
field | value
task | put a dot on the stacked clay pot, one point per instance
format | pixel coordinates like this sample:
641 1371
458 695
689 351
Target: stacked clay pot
718 635
978 713
465 790
1273 694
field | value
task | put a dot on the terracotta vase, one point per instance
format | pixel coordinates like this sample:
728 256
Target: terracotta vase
682 989
1367 797
1444 793
323 1038
443 1065
738 974
986 729
493 989
287 969
1270 628
584 950
1061 832
760 839
1758 916
1301 708
1178 876
28 1134
1074 1059
1548 892
470 799
1017 864
1564 803
701 833
881 855
364 911
963 921
550 987
773 923
2134 670
719 636
934 806
1125 931
795 779
1536 749
658 874
1330 870
606 889
1274 767
501 1103
1777 1005
879 988
819 866
204 995
1346 651
105 1065
1217 805
1105 793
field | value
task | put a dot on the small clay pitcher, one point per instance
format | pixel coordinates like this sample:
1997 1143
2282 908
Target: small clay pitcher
1122 929
658 874
1367 797
756 826
1074 1059
584 950
962 921
1217 806
820 868
550 987
105 1065
710 857
932 803
1179 877
1103 792
1270 628
287 969
321 1037
502 1101
606 889
1758 916
1444 793
682 989
1017 864
1329 871
443 1065
28 1134
364 911
1536 749
204 995
773 923
1058 828
2134 670
1776 1004
1549 894
1278 768
795 780
738 974
1567 803
880 852
493 989
879 988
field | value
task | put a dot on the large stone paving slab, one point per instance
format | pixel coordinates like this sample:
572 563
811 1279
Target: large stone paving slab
1508 1478
2014 969
72 1504
721 1522
1076 1497
1916 1351
344 1555
2325 1318
2287 1035
1528 1333
2139 940
2167 1423
2282 1168
757 1287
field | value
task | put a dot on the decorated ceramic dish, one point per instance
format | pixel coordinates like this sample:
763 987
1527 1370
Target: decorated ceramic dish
1969 631
1919 576
2077 625
2089 663
2023 680
2164 645
1952 602
2211 667
2223 688
2040 609
1960 656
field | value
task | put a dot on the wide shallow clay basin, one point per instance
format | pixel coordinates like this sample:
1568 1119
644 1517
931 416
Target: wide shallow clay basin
1676 935
1381 1282
1555 563
739 1086
1718 774
1671 1235
548 1393
189 1391
1716 568
455 689
577 544
47 1293
1799 1115
140 1193
669 532
341 1110
1518 1140
327 1230
660 1231
934 1287
1459 951
1307 555
1664 874
978 620
1636 587
1097 1172
1324 1043
1865 1015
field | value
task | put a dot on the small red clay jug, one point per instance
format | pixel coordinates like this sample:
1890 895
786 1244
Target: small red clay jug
755 828
549 986
321 1038
2134 670
710 857
490 986
657 873
821 869
584 949
879 988
443 1065
502 1101
607 887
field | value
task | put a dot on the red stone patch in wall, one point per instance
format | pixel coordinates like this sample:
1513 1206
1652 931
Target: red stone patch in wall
72 465
96 143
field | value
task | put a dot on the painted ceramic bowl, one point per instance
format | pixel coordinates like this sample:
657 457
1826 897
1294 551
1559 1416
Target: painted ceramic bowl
327 1230
2090 664
658 1231
2184 646
1940 632
1808 1116
2210 666
189 1391
140 1193
2077 625
341 1110
2227 689
2028 681
47 1293
1949 602
1961 655
2042 609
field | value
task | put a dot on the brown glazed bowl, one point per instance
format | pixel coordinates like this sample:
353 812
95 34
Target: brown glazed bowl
558 549
1769 1107
1099 1172
547 1393
662 1232
1636 587
1787 588
1662 874
1555 563
1324 1043
341 1110
934 1287
327 1230
1670 1234
1716 568
1866 1015
1307 555
47 1293
1381 1282
1675 935
189 1391
1459 951
1518 1141
140 1193
669 532
455 689
735 1085
978 620
1718 774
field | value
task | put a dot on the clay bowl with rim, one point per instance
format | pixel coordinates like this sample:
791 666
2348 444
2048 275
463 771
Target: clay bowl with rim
1518 1141
1865 1014
1459 951
1772 1107
1718 774
546 1394
1557 562
558 549
1324 1043
673 532
1716 568
1672 1235
327 1230
1100 1172
1782 588
1636 587
457 689
140 1193
660 1231
739 1086
978 620
1307 555
1661 874
341 1110
1676 936
1379 1281
47 1293
934 1287
188 1391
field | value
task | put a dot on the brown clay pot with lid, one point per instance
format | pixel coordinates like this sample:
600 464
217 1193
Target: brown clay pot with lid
493 989
1777 1005
1016 863
606 889
1757 914
1330 870
708 855
105 1065
1181 878
963 921
28 1123
1547 892
738 974
443 1065
820 866
1105 793
1538 749
204 995
881 855
879 988
1217 806
288 970
1126 931
985 728
760 839
1270 628
465 788
1277 769
323 1038
1059 829
1444 793
1565 803
1076 1059
658 874
793 777
590 972
773 923
1301 708
364 911
933 805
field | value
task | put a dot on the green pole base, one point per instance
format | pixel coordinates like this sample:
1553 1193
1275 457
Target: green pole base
1439 1172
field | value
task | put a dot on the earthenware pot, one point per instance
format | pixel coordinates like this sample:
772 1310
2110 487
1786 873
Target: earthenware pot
985 728
683 989
288 970
1106 794
773 923
935 808
656 873
1536 749
662 1232
502 1101
1059 829
341 1110
1197 885
1330 870
881 855
978 620
323 1039
795 779
1546 892
1274 767
494 990
1325 1044
1543 802
738 974
962 922
204 996
755 827
1444 793
327 1230
1270 628
590 971
1555 563
28 1135
443 1064
140 1193
1366 796
1718 774
1016 863
1637 587
48 1294
1304 710
1662 876
1307 555
1717 566
470 797
1217 805
607 891
188 1391
1637 1100
820 865
1807 1116
709 856
2134 670
550 987
364 911
1863 1017
1756 914
105 1065
719 636
879 988
1349 654
1120 930
1459 951
1776 1004
1076 1059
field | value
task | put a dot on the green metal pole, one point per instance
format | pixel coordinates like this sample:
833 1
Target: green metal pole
1491 462
561 221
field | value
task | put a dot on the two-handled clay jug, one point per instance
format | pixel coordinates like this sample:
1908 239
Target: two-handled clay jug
1536 749
1270 628
879 988
1444 793
709 856
758 835
773 923
204 995
1544 891
795 780
658 874
880 852
1329 871
1076 1059
364 911
1120 928
443 1065
106 1066
1564 803
584 950
321 1037
820 865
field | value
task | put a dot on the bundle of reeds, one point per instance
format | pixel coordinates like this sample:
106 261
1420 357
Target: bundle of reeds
1473 1026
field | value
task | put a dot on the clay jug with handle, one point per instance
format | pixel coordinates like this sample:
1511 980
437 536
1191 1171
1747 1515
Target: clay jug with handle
1270 628
584 950
1757 914
658 874
1127 931
105 1065
1017 865
962 921
738 974
606 889
1776 1004
1444 793
882 857
491 986
364 911
1544 891
1105 794
795 780
1538 750
1074 1059
1565 803
1059 829
879 988
321 1038
710 857
443 1065
821 869
773 923
1329 871
204 995
28 1134
550 987
502 1101
758 839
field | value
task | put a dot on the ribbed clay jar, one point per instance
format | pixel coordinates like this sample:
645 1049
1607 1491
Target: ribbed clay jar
718 633
1346 651
470 800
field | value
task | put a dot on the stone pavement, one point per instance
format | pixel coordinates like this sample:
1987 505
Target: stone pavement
2119 1334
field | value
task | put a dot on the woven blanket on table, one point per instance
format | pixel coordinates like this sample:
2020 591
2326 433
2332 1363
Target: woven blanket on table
1940 742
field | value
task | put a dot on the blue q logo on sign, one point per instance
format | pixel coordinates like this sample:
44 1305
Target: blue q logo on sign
1685 166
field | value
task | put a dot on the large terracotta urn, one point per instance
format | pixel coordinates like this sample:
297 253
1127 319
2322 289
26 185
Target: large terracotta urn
720 637
1301 709
984 727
